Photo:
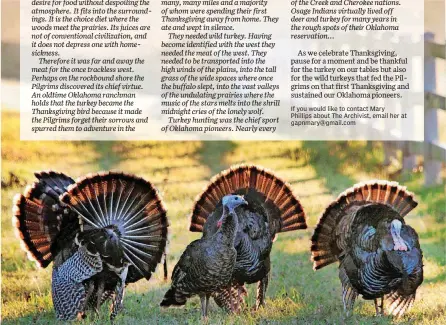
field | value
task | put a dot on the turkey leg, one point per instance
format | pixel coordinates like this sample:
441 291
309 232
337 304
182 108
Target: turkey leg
204 306
88 296
119 297
379 306
261 292
165 267
99 294
207 303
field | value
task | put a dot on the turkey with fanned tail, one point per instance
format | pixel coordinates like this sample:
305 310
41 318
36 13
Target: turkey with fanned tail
272 208
379 254
101 232
208 263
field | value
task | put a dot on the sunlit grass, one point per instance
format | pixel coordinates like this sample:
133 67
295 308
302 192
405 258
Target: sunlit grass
317 171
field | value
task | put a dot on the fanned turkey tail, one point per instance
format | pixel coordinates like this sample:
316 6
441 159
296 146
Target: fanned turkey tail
40 219
328 242
128 206
261 188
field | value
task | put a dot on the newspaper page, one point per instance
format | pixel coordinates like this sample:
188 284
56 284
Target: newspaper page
249 161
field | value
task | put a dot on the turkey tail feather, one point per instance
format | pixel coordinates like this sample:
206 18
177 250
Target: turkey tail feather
38 215
243 179
324 248
398 304
131 206
231 299
173 299
58 182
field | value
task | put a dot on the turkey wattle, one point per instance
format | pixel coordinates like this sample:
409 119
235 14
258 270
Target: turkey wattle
101 232
379 254
272 208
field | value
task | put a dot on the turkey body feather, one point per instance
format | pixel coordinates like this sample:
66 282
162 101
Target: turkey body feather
379 255
253 244
207 264
103 231
204 267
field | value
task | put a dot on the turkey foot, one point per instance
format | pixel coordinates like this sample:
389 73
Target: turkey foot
81 316
379 307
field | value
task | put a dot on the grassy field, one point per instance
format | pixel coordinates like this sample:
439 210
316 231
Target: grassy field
317 171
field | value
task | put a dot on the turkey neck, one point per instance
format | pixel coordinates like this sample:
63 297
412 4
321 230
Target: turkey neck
229 226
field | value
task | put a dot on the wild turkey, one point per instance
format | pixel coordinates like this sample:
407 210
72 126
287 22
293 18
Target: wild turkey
272 208
380 256
103 231
208 263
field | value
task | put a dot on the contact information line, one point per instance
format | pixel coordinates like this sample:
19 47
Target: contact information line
322 123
